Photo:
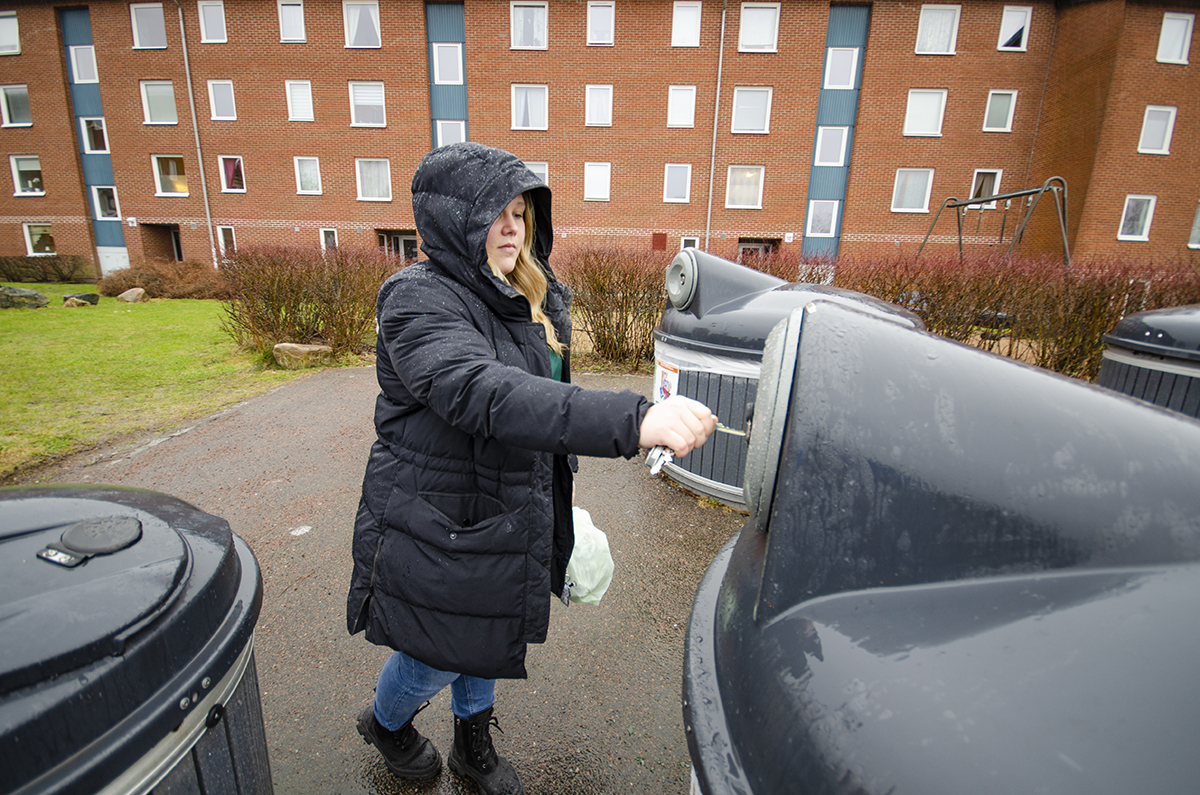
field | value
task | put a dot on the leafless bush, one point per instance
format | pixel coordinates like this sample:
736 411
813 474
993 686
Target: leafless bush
46 270
189 279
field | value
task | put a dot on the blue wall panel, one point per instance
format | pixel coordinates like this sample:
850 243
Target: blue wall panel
445 23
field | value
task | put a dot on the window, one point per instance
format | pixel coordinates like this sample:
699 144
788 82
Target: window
911 192
308 175
291 20
528 25
212 21
831 146
822 218
38 240
158 102
926 108
681 106
361 20
447 64
540 169
743 187
15 107
1194 237
685 24
328 239
689 242
598 111
94 136
299 100
149 27
1175 39
677 183
398 242
529 107
220 100
366 105
1136 218
451 131
597 179
27 175
751 110
170 178
841 67
1157 126
226 240
998 116
10 34
374 178
104 202
233 179
937 32
759 31
1014 28
83 64
601 22
986 183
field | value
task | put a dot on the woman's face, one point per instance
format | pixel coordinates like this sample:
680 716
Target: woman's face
506 236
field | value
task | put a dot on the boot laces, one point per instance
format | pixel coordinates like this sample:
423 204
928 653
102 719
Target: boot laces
405 735
481 742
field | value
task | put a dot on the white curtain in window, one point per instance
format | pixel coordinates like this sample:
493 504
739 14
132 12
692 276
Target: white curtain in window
829 146
681 106
685 25
758 28
10 35
16 105
300 104
599 104
212 17
1175 38
999 106
1137 217
530 110
368 103
362 24
750 109
597 178
291 21
677 181
600 24
911 188
373 179
937 29
529 26
745 184
84 61
308 174
160 103
820 218
151 28
1012 28
924 113
1155 128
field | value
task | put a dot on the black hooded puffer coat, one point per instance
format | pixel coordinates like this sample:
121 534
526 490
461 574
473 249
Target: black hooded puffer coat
464 528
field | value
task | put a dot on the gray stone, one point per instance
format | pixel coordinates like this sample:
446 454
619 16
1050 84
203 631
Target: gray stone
21 298
133 295
294 356
91 298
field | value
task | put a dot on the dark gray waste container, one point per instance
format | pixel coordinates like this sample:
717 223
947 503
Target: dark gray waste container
709 346
126 647
1155 356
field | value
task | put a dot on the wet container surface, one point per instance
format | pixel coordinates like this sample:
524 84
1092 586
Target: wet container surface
1155 356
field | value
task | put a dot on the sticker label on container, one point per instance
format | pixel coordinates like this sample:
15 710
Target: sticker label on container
61 557
666 380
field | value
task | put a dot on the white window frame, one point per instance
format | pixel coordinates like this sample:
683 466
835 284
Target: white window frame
1188 23
440 79
594 115
746 90
213 87
912 112
545 92
688 241
86 139
300 191
597 182
96 203
5 116
370 7
293 113
354 121
211 36
1165 149
292 4
88 53
540 168
444 124
682 34
1012 109
1014 12
999 172
594 38
681 106
833 223
924 208
138 34
12 162
544 33
10 28
221 240
158 191
1194 237
1144 234
762 178
921 27
358 161
829 54
743 46
687 195
221 169
29 252
146 101
324 245
822 131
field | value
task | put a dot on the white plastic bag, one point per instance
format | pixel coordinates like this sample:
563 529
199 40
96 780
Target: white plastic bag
590 569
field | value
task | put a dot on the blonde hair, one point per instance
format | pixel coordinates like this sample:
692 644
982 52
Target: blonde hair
530 280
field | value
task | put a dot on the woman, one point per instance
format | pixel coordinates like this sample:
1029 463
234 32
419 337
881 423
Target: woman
464 527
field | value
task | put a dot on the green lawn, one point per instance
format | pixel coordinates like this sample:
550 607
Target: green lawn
74 378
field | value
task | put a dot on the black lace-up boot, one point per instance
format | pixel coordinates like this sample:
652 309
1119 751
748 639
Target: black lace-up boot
405 752
474 757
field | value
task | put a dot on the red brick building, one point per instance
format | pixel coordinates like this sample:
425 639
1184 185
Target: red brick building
177 129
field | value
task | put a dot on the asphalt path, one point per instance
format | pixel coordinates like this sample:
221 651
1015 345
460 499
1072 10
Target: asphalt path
600 711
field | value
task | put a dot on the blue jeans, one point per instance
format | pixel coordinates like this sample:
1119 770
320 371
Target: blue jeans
405 684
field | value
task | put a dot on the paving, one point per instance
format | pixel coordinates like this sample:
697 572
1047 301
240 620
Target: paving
600 710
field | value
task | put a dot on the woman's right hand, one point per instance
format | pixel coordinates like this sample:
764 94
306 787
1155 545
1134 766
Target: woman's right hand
680 423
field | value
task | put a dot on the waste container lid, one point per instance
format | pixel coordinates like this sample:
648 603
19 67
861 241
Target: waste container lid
1173 333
